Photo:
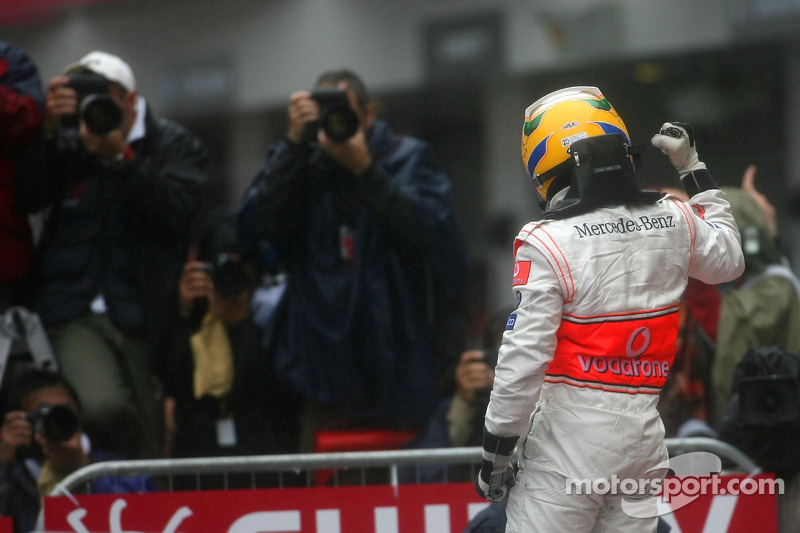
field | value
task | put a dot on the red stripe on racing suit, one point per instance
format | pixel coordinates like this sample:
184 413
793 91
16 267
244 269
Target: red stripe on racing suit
629 353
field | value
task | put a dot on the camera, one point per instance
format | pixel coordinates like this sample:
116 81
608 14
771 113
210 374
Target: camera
490 358
483 394
95 107
229 274
336 118
769 400
54 422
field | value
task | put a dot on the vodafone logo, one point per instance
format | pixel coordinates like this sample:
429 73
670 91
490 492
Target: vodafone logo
642 332
700 210
522 271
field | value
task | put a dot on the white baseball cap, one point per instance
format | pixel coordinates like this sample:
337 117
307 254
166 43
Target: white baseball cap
109 66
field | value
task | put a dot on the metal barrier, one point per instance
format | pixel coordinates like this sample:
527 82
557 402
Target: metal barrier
308 463
741 461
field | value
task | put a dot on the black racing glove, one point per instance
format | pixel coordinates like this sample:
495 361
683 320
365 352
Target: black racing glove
497 474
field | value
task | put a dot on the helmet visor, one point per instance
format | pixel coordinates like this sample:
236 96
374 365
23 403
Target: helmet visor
561 95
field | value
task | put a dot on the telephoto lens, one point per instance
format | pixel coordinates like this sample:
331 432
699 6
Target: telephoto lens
336 118
84 84
54 422
100 114
229 275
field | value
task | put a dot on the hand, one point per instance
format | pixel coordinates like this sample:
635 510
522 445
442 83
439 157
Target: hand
14 433
354 152
472 374
64 455
302 110
494 486
748 186
193 284
230 309
497 475
109 146
676 140
60 101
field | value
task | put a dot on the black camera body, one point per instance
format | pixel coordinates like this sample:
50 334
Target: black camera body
54 422
490 358
336 118
87 83
769 400
95 107
229 274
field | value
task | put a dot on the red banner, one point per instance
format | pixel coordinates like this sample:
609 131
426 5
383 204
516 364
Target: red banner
382 509
427 508
21 12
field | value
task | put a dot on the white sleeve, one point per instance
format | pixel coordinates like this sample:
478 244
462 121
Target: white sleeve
717 247
529 341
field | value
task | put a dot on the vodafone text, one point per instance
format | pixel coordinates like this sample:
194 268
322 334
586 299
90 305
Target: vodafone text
624 366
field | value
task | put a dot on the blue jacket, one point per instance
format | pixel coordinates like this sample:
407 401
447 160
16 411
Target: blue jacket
377 264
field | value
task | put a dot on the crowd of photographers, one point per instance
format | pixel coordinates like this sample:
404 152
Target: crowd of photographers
331 302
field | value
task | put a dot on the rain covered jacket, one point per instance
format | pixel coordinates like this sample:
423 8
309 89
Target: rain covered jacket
122 232
377 274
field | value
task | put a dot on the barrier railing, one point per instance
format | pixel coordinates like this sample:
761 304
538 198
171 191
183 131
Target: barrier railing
308 463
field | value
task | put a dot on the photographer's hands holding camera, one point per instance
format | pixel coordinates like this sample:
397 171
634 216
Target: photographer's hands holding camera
66 455
62 101
353 153
230 304
473 374
194 285
17 433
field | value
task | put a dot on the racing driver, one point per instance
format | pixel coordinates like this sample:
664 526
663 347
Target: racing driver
597 282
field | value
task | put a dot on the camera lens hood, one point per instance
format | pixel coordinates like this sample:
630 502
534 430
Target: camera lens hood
336 118
339 124
100 114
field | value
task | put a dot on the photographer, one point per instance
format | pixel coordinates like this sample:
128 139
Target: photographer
362 219
124 186
474 377
223 398
41 442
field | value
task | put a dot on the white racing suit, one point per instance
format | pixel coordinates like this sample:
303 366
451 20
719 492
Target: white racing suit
589 347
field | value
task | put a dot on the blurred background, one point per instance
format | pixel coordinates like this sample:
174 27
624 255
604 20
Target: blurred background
459 74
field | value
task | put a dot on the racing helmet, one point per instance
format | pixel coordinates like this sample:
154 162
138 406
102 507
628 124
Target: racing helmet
553 123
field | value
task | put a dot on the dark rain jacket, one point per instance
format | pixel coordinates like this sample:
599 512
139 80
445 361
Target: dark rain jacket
377 265
122 231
